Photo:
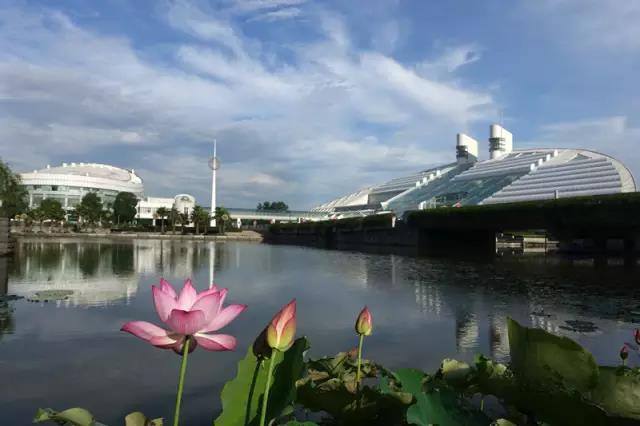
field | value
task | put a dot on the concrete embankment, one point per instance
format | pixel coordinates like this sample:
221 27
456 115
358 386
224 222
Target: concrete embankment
232 236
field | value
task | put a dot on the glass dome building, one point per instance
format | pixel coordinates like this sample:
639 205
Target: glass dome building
68 183
507 176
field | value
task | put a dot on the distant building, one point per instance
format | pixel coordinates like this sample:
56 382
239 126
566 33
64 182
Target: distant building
70 182
507 176
148 206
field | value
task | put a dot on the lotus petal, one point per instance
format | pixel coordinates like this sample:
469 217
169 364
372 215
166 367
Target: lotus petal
224 317
187 296
163 302
216 342
144 330
186 322
209 305
167 288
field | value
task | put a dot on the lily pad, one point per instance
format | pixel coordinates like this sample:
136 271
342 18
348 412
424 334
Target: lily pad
50 295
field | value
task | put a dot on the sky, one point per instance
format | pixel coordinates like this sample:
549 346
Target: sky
309 100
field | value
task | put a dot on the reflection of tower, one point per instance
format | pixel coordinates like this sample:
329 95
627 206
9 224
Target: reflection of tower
428 298
498 337
213 165
212 263
467 331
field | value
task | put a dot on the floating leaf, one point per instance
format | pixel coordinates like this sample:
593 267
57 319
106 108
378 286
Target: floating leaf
73 416
242 396
138 419
442 407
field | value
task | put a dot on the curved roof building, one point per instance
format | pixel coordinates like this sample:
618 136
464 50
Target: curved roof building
507 176
68 183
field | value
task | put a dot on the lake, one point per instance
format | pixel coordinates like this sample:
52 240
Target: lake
70 352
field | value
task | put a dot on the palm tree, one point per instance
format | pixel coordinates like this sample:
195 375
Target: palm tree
173 217
197 217
222 217
162 213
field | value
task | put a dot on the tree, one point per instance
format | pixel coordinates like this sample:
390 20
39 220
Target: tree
199 216
273 206
124 207
13 196
174 217
222 217
52 210
162 213
90 208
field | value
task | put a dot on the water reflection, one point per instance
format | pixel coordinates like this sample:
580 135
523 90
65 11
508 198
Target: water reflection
424 310
7 322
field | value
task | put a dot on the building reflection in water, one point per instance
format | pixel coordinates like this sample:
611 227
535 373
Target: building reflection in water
96 273
7 322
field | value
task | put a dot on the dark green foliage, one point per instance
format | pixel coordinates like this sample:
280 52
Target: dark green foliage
354 223
90 208
13 196
330 387
200 218
242 396
611 211
223 218
52 209
124 207
279 206
551 381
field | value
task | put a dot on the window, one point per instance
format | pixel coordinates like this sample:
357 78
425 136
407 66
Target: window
54 187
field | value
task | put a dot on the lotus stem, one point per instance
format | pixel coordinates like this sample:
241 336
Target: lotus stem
265 399
183 370
359 360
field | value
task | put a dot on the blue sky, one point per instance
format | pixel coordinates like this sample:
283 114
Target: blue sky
309 100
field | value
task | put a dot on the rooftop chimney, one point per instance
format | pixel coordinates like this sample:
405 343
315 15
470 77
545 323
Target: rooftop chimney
466 149
500 141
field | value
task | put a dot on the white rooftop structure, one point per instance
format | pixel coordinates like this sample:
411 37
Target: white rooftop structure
509 175
69 182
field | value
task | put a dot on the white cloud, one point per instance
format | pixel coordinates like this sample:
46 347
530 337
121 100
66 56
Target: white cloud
450 60
277 15
264 179
610 135
589 23
329 120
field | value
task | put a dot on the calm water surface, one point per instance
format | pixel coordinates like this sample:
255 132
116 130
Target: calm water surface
70 353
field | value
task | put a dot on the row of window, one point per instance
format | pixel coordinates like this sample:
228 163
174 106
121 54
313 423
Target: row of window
68 189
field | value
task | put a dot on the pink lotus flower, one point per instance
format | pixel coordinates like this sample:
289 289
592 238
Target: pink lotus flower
364 323
624 353
188 314
282 329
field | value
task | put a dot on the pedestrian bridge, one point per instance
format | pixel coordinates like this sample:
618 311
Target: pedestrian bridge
272 215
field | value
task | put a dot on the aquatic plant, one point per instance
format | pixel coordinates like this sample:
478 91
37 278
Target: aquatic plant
280 334
549 380
364 327
191 317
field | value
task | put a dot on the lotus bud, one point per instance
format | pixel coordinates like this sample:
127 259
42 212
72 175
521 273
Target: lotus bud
364 325
282 329
624 353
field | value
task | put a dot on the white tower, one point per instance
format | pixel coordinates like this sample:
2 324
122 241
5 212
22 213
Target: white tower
213 165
